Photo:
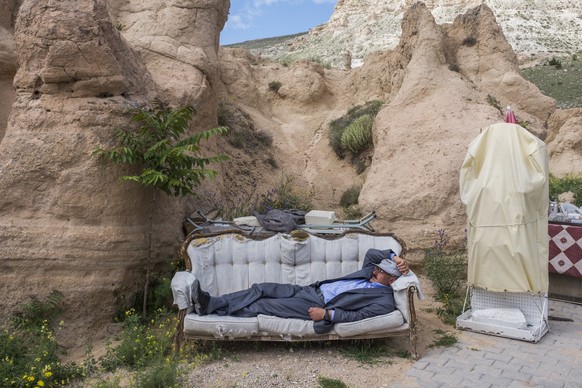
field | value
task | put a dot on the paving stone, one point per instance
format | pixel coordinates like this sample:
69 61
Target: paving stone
488 370
494 381
424 375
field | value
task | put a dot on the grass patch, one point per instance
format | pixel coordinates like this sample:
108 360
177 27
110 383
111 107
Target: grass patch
326 382
371 352
444 340
559 78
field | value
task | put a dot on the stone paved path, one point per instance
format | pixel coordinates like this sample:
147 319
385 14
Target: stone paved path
480 360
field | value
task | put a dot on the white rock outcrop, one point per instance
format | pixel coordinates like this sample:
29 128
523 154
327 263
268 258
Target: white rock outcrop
365 26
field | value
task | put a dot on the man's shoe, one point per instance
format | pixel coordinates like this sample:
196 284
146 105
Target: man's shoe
201 298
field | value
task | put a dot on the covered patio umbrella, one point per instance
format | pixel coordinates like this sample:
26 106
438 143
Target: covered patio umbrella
510 116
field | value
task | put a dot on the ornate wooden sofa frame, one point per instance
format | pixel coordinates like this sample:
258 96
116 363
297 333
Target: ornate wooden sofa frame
229 261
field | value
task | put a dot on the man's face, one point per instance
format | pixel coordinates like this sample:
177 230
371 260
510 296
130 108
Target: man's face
382 277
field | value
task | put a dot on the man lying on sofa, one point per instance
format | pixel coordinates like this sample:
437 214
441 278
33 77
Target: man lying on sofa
362 294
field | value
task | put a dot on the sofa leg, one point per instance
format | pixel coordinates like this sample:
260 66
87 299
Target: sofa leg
180 330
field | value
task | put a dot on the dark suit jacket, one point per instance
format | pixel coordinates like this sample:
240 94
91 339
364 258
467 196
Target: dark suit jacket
361 303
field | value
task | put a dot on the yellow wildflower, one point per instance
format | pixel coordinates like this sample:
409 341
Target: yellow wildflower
40 383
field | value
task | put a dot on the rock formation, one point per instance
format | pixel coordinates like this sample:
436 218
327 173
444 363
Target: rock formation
66 220
365 26
7 60
178 43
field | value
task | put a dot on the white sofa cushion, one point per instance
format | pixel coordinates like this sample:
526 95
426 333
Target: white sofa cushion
375 325
286 328
221 327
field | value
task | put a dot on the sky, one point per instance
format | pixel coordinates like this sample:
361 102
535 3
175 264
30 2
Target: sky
256 19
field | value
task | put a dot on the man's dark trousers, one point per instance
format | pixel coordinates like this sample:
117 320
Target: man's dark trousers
281 300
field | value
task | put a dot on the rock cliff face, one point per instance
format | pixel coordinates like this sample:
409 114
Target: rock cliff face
365 26
66 220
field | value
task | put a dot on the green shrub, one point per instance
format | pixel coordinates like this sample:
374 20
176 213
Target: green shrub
350 196
286 195
163 375
494 103
141 344
565 184
242 132
352 212
446 269
326 382
454 67
358 135
555 62
275 86
29 352
469 41
338 126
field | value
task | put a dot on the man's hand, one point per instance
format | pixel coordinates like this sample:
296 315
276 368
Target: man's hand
316 313
401 264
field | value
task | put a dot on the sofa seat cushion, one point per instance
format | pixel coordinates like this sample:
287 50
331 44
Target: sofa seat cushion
220 327
287 328
381 324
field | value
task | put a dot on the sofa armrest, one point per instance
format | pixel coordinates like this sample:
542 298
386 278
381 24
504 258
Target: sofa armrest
182 289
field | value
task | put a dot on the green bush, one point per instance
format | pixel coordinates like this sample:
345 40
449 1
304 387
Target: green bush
567 183
242 132
141 344
555 62
358 135
454 67
163 375
29 352
352 212
338 126
275 86
350 196
469 41
285 196
447 270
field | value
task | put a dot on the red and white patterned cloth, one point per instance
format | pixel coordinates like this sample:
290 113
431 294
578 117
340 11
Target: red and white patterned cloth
565 251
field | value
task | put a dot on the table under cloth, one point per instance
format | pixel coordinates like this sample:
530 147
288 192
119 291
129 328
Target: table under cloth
565 249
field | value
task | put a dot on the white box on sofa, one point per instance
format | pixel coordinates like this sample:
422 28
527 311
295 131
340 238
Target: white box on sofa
320 217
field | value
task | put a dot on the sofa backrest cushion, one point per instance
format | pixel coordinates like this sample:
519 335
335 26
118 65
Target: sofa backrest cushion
231 262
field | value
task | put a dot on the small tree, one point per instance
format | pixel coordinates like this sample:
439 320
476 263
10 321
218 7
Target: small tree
167 159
